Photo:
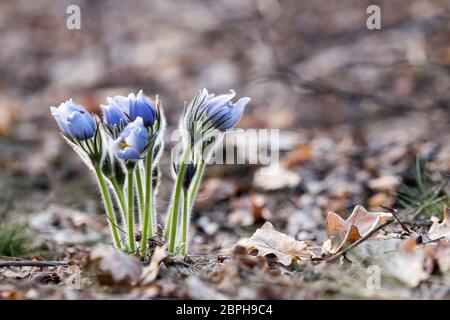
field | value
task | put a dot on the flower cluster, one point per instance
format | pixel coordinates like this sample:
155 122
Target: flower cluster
123 147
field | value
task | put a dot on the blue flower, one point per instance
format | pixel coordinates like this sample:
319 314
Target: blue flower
132 141
74 120
216 112
223 113
141 106
113 114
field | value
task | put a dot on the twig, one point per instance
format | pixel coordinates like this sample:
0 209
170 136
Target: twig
361 240
28 263
394 213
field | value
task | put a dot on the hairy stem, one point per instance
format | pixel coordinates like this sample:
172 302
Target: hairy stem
197 178
140 190
120 196
148 214
108 206
185 222
175 207
130 224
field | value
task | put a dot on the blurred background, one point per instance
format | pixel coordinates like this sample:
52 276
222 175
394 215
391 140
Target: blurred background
355 106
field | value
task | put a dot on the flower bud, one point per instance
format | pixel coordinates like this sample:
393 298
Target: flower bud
74 120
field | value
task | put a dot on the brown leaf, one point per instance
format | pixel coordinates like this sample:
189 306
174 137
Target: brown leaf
381 199
300 155
120 266
441 230
150 272
342 232
266 240
8 113
411 265
213 191
248 211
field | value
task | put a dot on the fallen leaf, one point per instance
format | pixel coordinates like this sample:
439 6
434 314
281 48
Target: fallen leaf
213 191
381 199
266 240
8 113
275 177
120 266
411 265
201 290
442 256
384 183
300 155
15 273
342 232
441 230
150 272
248 211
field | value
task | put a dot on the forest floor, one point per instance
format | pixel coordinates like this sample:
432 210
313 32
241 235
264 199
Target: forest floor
356 208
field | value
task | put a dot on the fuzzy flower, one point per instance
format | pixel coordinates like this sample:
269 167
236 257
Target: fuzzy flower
223 113
132 142
113 114
141 106
122 109
218 112
74 120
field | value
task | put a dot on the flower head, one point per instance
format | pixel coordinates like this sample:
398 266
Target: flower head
113 114
74 120
141 106
132 142
223 113
218 112
122 109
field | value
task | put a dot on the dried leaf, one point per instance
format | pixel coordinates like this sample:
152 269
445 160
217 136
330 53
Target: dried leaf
441 230
342 232
120 266
411 265
275 177
300 155
266 240
248 211
442 256
150 272
384 183
8 112
213 191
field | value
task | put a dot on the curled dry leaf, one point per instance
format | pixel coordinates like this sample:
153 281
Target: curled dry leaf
342 232
120 266
266 240
150 272
411 265
441 230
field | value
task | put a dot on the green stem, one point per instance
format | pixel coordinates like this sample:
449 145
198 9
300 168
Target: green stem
140 190
108 206
130 225
148 219
173 217
196 184
185 223
120 196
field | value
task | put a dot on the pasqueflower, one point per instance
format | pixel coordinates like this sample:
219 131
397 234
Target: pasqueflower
74 120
